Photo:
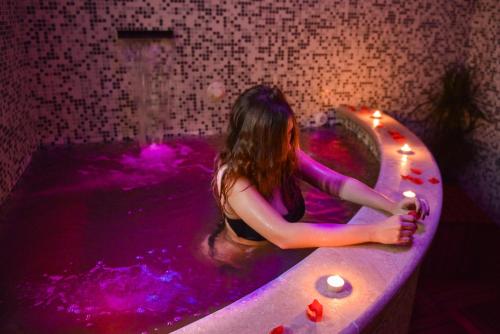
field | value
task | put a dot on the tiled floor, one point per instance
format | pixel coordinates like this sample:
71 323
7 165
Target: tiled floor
458 290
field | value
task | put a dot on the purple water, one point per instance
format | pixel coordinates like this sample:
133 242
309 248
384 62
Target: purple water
106 238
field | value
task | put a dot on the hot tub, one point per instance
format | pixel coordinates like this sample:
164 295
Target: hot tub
106 239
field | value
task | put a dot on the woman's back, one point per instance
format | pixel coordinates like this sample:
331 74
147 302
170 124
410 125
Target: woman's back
292 212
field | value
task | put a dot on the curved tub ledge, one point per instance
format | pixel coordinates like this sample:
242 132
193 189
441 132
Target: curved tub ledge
383 278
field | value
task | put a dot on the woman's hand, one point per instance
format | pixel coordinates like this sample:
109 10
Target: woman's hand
406 205
397 229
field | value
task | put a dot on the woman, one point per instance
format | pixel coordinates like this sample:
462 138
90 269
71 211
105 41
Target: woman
255 184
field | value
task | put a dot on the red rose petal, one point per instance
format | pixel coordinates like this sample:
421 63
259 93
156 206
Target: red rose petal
433 180
278 330
316 306
417 180
414 214
396 135
413 179
416 171
315 311
364 108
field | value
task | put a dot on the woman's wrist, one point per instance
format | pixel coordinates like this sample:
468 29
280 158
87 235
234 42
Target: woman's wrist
370 232
386 204
391 206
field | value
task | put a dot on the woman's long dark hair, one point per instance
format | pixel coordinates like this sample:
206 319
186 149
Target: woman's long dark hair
256 147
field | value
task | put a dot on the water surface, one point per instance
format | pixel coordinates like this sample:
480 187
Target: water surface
105 238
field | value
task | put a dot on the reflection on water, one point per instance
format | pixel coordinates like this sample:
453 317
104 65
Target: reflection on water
106 238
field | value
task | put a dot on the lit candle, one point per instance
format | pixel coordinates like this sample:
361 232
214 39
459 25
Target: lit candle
377 114
335 283
405 149
409 194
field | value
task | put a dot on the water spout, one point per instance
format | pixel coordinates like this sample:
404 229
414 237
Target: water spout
147 74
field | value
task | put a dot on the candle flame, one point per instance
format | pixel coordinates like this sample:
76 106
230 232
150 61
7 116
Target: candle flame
377 114
335 281
406 148
409 194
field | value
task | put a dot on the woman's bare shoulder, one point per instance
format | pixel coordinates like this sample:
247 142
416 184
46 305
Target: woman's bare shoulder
240 184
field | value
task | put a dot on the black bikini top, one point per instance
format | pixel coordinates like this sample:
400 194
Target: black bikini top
243 230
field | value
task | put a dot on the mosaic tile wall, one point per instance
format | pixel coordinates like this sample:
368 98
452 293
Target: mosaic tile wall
322 53
17 132
482 180
86 86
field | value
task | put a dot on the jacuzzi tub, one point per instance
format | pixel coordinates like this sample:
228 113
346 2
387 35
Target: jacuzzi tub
56 249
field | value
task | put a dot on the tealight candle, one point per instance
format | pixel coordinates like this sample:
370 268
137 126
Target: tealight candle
409 194
335 283
405 149
377 114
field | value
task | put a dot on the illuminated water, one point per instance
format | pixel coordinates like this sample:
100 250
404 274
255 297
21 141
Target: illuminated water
105 238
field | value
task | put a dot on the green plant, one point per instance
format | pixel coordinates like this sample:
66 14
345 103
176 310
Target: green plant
453 113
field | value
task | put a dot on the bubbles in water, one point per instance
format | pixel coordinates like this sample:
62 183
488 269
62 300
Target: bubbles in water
153 298
155 157
107 290
184 150
73 308
153 164
191 300
168 276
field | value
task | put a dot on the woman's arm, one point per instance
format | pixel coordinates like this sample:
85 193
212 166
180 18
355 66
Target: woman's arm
250 206
345 187
359 193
